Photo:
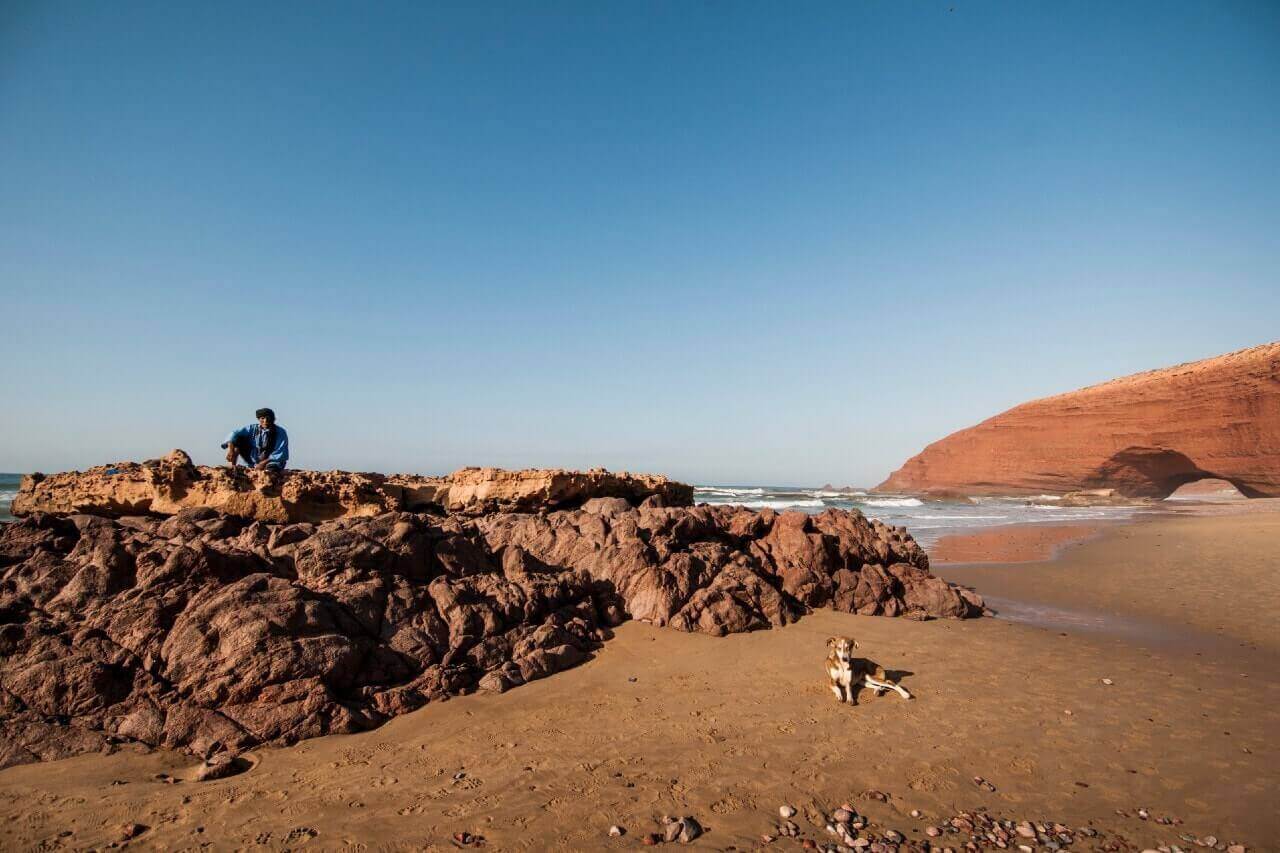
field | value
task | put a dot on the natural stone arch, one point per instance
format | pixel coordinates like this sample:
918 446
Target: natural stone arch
1207 489
1155 472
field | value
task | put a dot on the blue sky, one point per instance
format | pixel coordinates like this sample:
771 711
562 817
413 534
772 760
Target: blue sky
733 242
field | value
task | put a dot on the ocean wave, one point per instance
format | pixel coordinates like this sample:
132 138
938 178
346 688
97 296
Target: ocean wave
781 504
824 493
725 490
893 502
960 517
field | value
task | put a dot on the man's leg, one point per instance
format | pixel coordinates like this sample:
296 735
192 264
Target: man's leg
242 447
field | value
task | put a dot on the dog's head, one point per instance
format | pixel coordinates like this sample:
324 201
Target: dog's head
842 647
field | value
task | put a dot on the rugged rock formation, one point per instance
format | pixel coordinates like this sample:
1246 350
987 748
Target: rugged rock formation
213 633
168 485
1143 435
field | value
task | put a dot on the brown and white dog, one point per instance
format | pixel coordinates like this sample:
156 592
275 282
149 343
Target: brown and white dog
849 673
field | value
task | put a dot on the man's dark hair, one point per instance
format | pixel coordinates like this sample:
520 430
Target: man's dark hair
265 413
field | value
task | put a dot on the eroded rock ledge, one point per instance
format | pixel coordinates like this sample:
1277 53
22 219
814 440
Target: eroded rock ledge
170 484
213 632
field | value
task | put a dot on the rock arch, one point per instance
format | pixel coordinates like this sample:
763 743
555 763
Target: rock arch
1155 472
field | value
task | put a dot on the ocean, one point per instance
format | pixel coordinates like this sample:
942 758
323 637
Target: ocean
8 488
926 521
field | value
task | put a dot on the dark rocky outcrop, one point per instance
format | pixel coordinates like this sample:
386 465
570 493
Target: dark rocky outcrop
212 633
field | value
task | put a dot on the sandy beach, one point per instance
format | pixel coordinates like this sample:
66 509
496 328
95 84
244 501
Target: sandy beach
1204 572
729 729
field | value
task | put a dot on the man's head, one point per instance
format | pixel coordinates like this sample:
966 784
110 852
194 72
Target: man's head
266 417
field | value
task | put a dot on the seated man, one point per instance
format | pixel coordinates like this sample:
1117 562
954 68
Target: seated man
263 445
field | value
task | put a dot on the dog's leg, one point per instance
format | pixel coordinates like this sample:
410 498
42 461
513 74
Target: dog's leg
835 688
881 686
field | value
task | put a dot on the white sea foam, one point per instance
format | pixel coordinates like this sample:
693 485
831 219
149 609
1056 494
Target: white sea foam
781 504
960 517
894 502
726 491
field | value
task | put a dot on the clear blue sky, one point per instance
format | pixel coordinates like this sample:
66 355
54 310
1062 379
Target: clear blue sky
734 242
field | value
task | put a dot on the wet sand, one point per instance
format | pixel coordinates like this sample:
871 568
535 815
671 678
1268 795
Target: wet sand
1199 573
727 730
1014 543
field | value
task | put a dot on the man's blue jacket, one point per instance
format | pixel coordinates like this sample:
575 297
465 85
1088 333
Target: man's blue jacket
279 454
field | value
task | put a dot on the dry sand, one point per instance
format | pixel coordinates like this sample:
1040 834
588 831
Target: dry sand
729 729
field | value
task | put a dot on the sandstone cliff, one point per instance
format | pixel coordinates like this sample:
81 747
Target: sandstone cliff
1143 435
165 486
213 631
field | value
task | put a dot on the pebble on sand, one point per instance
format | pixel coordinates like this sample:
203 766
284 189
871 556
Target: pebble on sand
786 811
132 830
689 830
615 831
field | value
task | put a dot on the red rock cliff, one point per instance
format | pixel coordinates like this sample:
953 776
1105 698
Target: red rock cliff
1144 435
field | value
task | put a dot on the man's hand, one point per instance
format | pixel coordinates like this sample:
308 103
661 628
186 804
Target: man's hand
231 456
262 465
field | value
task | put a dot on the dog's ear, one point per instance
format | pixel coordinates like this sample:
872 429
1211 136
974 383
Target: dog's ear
855 645
831 642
